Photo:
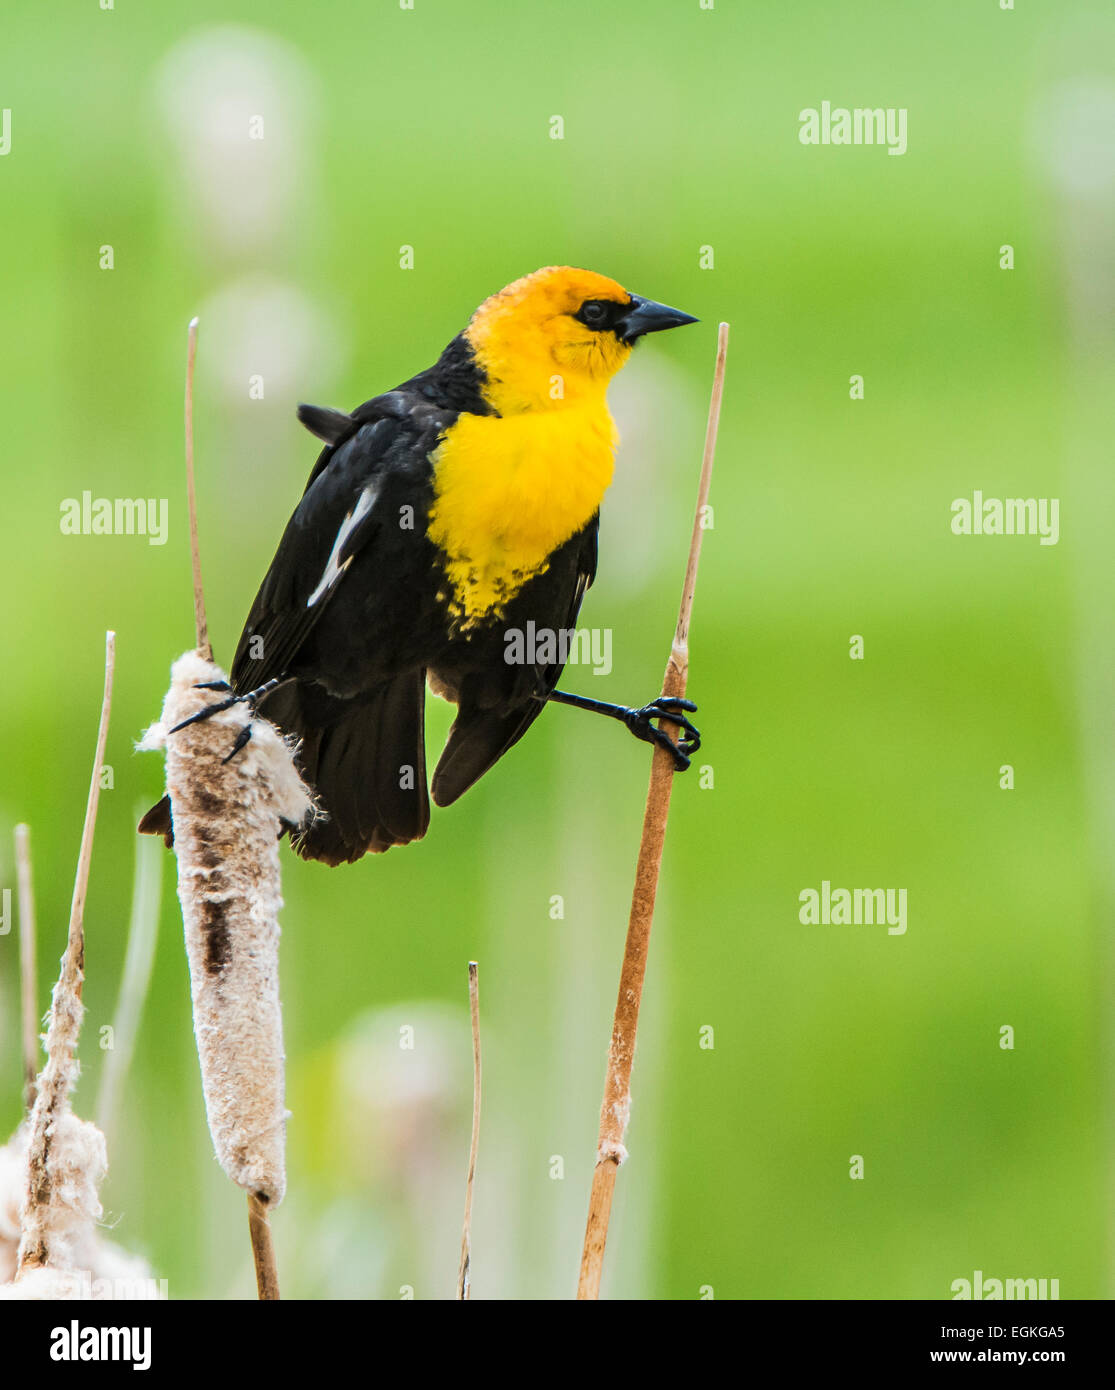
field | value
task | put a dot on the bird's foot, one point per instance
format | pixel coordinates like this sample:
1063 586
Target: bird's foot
670 708
251 698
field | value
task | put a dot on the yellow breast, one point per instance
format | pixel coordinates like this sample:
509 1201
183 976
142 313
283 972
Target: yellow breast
508 491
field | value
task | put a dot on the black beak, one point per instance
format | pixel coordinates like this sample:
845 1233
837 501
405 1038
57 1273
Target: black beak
645 316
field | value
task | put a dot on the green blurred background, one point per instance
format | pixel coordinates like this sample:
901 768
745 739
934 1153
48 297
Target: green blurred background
430 128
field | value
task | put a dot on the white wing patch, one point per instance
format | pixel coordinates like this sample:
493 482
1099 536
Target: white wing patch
333 571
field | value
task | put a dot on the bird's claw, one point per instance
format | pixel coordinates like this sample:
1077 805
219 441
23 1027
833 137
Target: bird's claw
251 699
666 707
210 710
242 739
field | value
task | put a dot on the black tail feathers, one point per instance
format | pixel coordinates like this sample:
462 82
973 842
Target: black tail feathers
365 761
327 424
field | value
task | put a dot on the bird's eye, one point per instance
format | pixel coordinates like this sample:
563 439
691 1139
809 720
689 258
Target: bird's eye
593 313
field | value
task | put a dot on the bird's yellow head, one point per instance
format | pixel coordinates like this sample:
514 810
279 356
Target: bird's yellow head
558 336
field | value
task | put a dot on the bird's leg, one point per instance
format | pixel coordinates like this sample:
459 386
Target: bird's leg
639 721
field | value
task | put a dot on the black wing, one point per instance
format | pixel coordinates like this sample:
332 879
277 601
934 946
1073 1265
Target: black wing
335 519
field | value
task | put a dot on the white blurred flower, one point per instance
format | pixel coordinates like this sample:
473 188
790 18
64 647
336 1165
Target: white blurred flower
240 107
1073 133
260 327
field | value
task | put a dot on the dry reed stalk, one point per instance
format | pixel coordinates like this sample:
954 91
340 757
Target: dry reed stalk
464 1275
28 977
616 1106
65 1155
200 624
263 1249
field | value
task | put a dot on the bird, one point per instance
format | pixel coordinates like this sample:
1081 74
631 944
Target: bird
440 519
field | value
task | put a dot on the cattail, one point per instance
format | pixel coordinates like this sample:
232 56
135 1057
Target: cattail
81 1263
51 1171
60 1147
228 816
232 787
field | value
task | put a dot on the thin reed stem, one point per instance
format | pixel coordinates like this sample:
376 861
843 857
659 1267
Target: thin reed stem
464 1276
616 1106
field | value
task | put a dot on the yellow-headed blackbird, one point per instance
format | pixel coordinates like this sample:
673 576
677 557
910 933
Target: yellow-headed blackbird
440 520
